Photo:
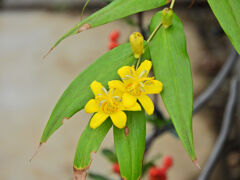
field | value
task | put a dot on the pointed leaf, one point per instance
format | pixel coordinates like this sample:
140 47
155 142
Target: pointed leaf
130 145
78 93
171 66
89 143
115 10
228 15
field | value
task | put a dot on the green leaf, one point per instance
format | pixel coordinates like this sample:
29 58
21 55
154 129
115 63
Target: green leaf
110 155
89 143
115 10
147 166
228 15
78 93
130 145
157 122
171 65
97 176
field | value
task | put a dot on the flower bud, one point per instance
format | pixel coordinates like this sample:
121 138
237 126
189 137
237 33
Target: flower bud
136 41
167 16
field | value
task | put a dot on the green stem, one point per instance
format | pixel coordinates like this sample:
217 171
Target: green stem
154 32
138 62
172 4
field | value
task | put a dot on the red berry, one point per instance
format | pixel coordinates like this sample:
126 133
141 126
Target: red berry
112 45
167 162
157 174
116 168
114 35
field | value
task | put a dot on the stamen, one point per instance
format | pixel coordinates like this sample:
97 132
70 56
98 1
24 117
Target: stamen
148 83
141 84
132 70
113 90
117 98
101 102
142 89
142 73
104 90
126 77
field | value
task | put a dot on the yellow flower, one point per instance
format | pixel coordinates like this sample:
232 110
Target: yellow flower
107 104
137 44
136 85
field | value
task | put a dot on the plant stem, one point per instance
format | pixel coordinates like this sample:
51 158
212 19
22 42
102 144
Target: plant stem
172 4
138 62
154 32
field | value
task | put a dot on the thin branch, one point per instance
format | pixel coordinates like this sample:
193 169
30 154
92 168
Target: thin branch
216 83
227 120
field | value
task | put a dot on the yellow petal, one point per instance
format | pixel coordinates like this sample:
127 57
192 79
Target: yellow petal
98 119
97 88
116 84
119 119
91 106
135 107
153 87
128 100
126 72
144 68
147 104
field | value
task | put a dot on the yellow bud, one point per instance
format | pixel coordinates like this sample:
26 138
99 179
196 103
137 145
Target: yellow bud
137 44
167 16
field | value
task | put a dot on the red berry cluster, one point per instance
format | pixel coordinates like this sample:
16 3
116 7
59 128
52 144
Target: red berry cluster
116 168
160 173
113 39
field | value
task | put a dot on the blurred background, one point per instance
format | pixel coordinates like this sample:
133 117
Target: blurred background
31 86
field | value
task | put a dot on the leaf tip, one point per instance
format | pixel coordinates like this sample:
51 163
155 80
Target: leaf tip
197 163
50 50
36 152
79 174
84 27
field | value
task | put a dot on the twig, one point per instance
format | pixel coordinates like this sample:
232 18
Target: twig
216 83
227 120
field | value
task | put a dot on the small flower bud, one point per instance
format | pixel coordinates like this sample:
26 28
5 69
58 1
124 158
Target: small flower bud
167 16
136 41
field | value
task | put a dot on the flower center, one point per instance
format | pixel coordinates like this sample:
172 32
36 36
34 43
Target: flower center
109 108
109 102
135 88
